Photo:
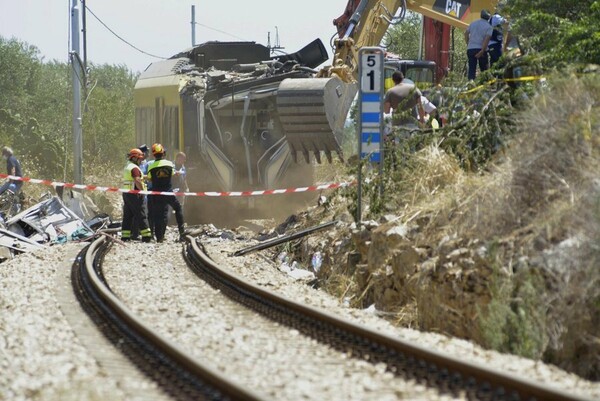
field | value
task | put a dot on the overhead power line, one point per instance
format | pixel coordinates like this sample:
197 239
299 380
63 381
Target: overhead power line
120 38
220 31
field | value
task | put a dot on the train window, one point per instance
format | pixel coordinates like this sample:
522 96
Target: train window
144 125
420 75
170 131
387 73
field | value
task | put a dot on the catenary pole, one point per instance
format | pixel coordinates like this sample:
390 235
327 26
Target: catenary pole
77 75
84 33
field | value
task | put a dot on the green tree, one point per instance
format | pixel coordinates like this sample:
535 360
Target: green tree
19 77
403 38
109 130
46 138
562 32
36 111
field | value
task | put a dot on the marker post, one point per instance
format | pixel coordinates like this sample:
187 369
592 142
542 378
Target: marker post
370 113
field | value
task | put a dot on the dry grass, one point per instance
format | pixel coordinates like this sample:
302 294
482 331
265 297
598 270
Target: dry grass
436 171
96 172
542 198
337 171
536 208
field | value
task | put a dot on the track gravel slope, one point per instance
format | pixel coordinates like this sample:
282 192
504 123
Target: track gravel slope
42 358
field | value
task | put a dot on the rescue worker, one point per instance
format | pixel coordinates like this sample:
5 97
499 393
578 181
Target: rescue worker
497 45
144 163
160 173
135 230
405 100
133 208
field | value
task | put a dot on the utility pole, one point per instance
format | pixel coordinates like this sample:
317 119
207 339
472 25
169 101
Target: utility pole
84 32
77 79
193 25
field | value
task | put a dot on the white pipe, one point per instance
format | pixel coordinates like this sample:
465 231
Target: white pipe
193 25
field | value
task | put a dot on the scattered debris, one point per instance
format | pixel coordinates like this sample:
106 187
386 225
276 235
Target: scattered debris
46 223
293 268
210 230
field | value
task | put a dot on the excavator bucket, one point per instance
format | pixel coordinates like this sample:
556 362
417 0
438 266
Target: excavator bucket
312 112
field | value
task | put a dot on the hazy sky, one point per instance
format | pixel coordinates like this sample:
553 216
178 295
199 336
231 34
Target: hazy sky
162 27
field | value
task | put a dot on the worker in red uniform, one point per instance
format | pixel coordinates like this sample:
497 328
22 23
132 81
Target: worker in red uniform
160 173
133 204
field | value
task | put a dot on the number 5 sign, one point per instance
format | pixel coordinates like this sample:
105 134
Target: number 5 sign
370 102
371 69
370 111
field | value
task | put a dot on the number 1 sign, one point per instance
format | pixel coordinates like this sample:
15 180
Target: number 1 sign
370 111
370 102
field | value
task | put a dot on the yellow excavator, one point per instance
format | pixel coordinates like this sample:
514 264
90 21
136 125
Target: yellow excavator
313 110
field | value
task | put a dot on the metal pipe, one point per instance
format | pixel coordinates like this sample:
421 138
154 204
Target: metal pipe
193 25
245 139
356 17
281 240
421 35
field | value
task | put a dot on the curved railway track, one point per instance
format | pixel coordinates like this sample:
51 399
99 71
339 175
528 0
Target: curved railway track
186 378
181 376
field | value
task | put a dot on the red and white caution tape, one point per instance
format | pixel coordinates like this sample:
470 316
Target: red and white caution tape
318 187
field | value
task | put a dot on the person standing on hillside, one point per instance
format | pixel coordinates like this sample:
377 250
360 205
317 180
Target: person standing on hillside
160 173
133 203
477 36
13 167
497 45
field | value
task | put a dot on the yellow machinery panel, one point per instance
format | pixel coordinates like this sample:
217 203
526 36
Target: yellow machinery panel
456 13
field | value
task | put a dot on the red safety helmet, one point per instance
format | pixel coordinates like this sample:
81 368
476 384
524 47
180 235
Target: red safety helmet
135 153
158 149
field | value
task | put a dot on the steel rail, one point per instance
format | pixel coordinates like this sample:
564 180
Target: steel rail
213 384
487 382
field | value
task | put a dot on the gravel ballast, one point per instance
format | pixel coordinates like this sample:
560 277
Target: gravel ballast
42 358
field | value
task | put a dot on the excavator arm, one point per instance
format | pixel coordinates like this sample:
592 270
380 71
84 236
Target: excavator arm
363 23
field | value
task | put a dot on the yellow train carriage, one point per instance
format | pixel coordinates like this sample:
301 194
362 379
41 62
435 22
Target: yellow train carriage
158 106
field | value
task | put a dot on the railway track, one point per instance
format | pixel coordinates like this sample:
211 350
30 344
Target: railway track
186 378
178 374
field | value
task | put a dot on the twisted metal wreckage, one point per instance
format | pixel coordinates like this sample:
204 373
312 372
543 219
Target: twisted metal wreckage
51 221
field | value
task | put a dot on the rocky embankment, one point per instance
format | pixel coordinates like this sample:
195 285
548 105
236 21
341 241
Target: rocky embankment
462 288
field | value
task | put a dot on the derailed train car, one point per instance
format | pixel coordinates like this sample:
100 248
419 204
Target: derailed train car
246 120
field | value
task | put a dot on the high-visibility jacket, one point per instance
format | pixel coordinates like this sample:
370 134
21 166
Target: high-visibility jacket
160 172
128 181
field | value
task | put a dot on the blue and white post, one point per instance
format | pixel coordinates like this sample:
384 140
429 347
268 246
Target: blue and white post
370 112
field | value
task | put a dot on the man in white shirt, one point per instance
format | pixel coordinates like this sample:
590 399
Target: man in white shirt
478 36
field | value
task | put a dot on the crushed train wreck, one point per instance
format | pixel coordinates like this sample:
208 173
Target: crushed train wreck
246 120
48 222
